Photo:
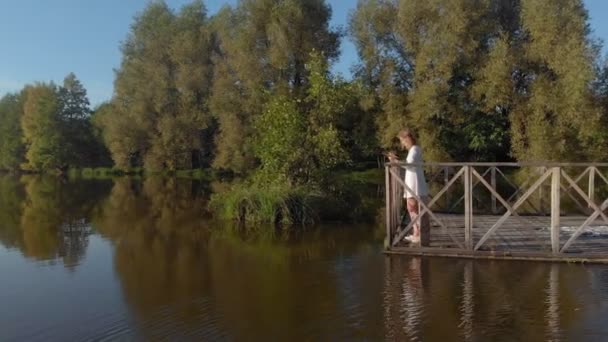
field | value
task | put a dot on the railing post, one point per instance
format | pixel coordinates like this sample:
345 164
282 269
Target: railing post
446 180
541 193
493 183
591 190
468 208
396 209
555 208
389 205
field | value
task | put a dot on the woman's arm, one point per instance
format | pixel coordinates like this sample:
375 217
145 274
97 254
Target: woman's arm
392 157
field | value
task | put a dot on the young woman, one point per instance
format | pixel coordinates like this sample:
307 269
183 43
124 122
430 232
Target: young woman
414 179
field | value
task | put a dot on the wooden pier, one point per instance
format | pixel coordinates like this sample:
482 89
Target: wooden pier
519 211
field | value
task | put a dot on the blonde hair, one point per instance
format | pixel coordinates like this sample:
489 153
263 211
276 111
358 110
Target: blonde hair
407 133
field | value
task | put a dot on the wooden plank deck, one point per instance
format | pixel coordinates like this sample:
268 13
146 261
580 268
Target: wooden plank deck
519 238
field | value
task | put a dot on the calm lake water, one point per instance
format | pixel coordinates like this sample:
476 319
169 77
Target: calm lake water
140 260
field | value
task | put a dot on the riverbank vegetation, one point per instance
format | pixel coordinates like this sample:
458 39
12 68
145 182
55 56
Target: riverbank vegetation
248 91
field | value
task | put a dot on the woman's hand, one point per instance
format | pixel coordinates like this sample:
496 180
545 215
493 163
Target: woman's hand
392 157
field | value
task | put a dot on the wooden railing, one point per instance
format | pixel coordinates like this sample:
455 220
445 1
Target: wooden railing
471 202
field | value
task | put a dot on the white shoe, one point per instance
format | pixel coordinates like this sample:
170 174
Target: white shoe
412 239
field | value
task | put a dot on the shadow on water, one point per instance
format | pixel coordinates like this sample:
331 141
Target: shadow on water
178 274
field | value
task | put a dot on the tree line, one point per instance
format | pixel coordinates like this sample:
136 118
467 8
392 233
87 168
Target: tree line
249 90
49 127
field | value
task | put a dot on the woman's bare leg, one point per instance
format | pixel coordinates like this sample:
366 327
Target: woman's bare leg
412 208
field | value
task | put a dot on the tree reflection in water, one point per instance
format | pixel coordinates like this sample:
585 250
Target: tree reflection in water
197 277
46 218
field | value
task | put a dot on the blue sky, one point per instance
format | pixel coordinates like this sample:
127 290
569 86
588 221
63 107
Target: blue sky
44 40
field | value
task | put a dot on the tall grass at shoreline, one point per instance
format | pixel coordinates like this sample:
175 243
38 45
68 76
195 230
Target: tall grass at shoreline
270 203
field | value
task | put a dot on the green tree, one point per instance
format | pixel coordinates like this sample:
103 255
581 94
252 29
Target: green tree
121 138
474 77
159 113
420 65
600 87
12 148
281 138
330 105
42 128
386 66
74 101
84 149
555 118
299 139
263 48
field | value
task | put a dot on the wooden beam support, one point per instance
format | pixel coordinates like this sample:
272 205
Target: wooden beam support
598 172
591 188
555 208
388 214
542 170
426 209
574 199
506 178
578 179
474 185
580 229
446 179
494 193
396 200
518 190
517 204
468 208
584 196
505 204
493 183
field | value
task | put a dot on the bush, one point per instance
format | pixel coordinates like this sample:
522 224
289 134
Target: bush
275 202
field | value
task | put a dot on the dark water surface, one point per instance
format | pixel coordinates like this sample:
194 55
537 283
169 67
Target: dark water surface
139 260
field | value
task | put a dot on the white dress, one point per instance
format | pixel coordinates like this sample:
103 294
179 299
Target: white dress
414 175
